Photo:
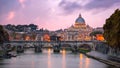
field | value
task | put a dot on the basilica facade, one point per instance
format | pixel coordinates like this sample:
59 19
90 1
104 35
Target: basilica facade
77 32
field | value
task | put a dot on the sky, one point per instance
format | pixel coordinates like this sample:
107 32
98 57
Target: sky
56 14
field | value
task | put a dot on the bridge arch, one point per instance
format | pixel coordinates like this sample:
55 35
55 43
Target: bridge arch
65 46
85 46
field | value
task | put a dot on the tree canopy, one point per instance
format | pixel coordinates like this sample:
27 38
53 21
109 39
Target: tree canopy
94 33
21 28
112 29
4 36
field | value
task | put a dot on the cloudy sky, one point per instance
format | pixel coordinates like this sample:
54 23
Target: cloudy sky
56 14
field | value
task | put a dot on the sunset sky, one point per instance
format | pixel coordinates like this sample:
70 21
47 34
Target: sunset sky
56 14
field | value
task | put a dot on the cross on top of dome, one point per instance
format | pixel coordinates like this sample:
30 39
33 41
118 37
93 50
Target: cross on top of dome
80 20
80 15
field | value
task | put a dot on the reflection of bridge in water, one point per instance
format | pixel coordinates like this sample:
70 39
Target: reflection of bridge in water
60 44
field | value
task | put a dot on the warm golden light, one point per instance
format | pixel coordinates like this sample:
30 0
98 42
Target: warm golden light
27 38
46 37
63 51
49 58
49 51
81 56
87 60
100 37
63 58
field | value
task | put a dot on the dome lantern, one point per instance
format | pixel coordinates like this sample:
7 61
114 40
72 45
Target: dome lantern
80 20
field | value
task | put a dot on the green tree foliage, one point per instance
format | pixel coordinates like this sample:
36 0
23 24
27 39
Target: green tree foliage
94 33
4 36
21 28
33 27
112 30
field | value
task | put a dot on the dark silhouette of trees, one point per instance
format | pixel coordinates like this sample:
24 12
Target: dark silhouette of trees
4 36
112 30
94 33
33 27
21 28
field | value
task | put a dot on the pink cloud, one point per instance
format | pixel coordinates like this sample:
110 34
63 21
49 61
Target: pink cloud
22 3
11 15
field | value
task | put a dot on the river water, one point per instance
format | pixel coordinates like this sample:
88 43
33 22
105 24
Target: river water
48 59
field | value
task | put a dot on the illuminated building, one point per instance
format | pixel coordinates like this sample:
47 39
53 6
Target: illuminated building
46 37
100 37
27 38
78 32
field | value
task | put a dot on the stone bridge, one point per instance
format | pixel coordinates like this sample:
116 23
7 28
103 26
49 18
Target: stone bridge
90 44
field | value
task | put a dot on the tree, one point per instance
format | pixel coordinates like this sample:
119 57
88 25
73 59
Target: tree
94 33
33 27
4 36
112 30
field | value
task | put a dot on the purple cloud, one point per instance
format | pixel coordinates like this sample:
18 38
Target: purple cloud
45 13
8 5
100 4
69 7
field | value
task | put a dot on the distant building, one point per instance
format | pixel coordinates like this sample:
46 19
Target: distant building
77 32
46 37
40 34
100 37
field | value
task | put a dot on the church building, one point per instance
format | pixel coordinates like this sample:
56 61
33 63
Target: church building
79 31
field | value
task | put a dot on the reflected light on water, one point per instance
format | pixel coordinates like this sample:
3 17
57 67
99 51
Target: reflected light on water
63 52
32 62
49 51
49 58
87 61
63 58
52 60
81 58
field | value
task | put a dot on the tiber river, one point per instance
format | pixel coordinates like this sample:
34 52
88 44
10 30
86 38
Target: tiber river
48 59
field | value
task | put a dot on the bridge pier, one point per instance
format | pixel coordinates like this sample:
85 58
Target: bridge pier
74 49
20 49
56 49
38 49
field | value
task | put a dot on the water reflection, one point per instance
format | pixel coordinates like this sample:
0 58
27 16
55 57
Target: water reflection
63 58
84 62
33 64
49 58
87 61
81 57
